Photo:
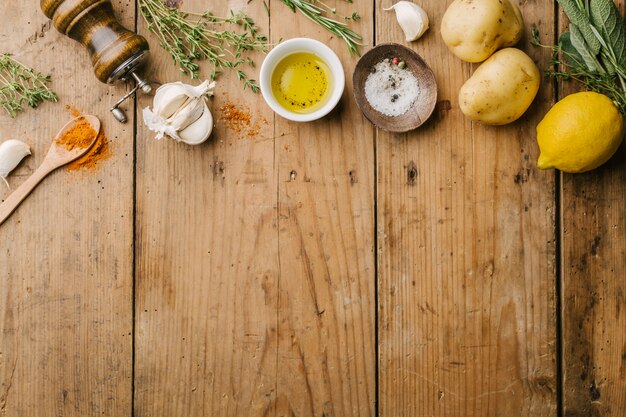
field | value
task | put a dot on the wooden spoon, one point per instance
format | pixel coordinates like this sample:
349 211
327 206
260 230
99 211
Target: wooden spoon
57 156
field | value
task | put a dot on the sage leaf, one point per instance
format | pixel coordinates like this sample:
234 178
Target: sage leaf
580 18
606 53
578 42
571 55
607 20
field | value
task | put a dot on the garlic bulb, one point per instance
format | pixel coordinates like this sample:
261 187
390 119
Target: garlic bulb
412 19
180 111
12 152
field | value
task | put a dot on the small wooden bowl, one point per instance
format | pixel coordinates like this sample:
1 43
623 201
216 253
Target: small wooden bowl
422 107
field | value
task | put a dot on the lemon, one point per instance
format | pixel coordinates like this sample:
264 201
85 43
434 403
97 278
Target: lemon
579 133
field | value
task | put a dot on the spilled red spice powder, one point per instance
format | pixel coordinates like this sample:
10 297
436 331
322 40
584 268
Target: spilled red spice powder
239 119
98 152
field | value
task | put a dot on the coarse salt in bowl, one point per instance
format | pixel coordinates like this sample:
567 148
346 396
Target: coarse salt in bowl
412 106
314 47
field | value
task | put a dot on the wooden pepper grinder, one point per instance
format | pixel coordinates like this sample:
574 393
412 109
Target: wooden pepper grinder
116 53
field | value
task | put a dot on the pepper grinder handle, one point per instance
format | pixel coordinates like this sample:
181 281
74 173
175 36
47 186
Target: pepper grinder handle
115 51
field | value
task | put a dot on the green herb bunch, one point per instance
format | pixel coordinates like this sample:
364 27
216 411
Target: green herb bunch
21 85
594 50
317 11
193 37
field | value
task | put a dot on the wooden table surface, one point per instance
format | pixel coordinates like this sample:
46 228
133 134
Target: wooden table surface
321 269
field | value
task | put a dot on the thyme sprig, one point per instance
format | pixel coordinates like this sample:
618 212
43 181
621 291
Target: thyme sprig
566 66
593 52
21 85
190 38
317 11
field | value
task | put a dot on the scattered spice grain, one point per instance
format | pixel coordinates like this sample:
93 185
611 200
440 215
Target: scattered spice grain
73 110
239 119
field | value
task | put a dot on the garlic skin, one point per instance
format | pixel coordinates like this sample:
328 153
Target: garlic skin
12 152
178 108
412 19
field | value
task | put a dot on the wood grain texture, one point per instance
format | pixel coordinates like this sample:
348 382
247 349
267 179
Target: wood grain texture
594 285
254 256
207 258
466 242
326 330
66 287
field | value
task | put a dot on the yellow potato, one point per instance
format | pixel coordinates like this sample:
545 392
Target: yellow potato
475 29
501 89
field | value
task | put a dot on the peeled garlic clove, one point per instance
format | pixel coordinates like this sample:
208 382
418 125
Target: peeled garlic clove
200 130
12 152
412 19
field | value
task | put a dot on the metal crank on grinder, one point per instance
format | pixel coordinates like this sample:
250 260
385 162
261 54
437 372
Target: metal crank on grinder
117 54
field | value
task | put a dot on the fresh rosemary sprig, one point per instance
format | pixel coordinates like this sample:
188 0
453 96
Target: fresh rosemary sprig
317 11
593 52
21 85
193 37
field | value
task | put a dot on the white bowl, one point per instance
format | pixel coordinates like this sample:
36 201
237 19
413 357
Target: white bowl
302 45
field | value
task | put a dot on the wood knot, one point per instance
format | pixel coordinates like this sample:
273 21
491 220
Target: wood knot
45 28
218 169
173 4
293 175
594 392
521 177
442 108
411 173
353 177
595 245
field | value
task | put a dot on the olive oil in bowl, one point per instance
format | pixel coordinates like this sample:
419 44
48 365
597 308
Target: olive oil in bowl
302 82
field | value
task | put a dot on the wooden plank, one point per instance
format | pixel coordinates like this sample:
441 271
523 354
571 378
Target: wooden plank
594 285
466 252
594 268
326 240
207 260
66 287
